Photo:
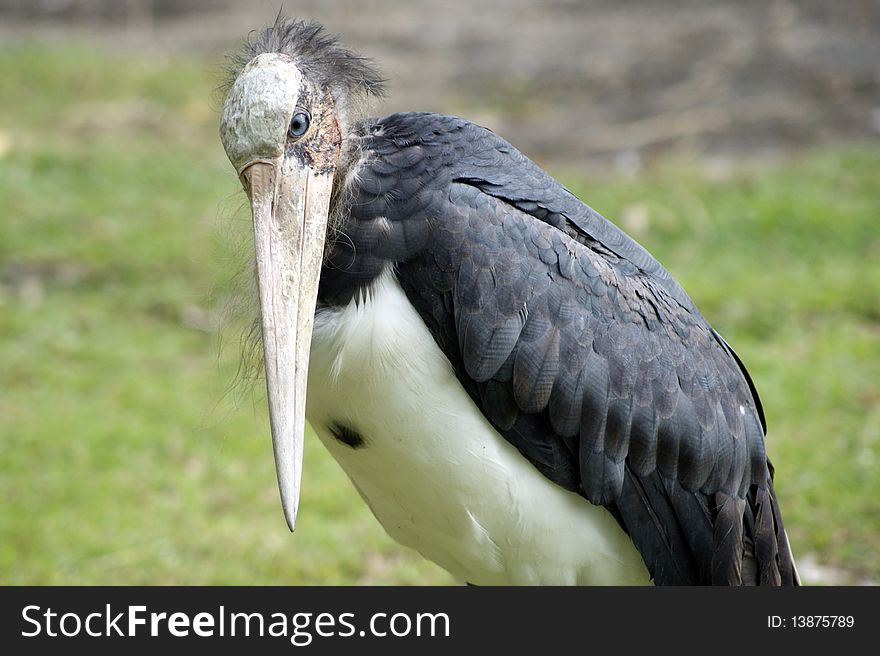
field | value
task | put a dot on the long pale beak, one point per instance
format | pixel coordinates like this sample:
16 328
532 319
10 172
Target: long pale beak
290 204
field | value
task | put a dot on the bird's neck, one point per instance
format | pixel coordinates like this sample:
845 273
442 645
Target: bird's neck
350 157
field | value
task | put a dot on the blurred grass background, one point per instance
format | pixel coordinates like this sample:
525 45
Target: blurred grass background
127 458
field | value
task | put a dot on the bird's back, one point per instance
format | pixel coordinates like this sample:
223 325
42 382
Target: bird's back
574 343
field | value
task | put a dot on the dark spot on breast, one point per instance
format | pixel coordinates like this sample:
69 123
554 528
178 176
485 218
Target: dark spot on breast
348 436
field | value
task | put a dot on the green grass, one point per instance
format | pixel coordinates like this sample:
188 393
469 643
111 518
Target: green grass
126 458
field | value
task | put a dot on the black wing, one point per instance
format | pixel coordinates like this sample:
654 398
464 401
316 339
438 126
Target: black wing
577 345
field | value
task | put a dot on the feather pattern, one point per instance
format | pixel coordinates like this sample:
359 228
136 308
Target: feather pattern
576 344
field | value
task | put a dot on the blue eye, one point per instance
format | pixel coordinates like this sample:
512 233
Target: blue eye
298 125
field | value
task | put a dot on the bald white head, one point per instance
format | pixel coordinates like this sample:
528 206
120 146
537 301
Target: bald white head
330 69
258 109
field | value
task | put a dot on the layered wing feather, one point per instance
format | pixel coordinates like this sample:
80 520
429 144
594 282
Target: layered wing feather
576 344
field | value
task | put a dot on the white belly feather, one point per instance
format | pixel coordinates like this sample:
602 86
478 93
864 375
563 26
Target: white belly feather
435 473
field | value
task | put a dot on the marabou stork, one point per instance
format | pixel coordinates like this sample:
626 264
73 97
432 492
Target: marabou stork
517 389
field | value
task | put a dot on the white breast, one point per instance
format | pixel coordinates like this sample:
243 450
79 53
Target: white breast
435 473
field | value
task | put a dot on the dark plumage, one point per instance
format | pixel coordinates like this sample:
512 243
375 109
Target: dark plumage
347 436
577 345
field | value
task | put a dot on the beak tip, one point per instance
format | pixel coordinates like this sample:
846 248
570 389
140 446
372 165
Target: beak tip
290 505
290 518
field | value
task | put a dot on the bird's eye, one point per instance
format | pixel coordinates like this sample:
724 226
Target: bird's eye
298 125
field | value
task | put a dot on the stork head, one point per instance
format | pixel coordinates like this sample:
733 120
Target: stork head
292 96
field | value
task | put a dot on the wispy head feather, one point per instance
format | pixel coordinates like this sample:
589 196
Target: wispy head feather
350 78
